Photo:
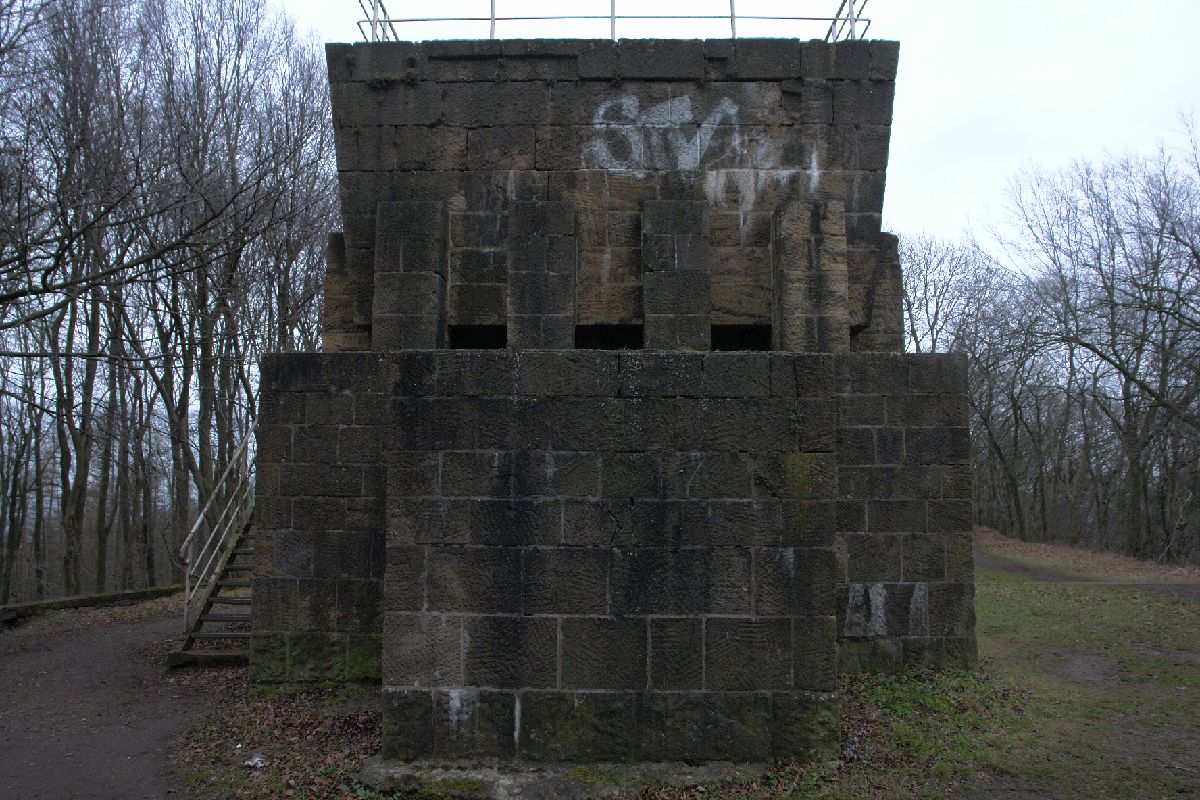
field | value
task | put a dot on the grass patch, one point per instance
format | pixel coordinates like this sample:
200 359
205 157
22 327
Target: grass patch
1113 677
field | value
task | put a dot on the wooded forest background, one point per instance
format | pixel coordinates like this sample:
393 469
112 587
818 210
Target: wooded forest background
166 187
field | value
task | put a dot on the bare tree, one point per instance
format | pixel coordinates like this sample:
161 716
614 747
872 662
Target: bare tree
1085 357
167 185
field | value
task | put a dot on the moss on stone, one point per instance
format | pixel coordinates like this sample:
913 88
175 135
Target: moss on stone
363 659
800 468
590 776
317 657
268 658
459 789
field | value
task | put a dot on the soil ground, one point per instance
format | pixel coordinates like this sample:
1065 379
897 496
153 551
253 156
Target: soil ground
1088 688
85 712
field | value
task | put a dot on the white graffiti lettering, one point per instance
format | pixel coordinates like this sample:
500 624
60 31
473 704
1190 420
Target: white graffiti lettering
664 136
741 165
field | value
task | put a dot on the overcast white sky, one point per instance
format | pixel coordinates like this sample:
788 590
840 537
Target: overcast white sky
984 88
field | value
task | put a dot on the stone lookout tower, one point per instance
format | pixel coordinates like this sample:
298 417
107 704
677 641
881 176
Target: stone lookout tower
612 453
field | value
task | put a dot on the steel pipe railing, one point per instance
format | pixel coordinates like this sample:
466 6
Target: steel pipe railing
203 556
847 23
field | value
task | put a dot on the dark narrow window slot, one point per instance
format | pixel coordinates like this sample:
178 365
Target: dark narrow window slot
608 337
741 337
478 337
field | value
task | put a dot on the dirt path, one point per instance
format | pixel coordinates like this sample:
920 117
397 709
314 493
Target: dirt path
999 563
86 714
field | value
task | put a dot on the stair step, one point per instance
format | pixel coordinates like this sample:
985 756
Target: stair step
207 658
226 617
239 567
231 601
247 551
221 635
234 584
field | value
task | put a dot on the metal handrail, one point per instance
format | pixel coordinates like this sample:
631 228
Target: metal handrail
203 515
379 26
203 564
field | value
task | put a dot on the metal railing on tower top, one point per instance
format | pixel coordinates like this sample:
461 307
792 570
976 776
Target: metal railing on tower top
379 26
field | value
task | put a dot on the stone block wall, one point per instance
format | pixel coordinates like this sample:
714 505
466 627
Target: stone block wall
603 556
521 488
533 187
618 490
904 517
319 519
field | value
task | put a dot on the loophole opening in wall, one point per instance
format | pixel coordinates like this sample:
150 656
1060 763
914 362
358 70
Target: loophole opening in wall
736 338
608 337
478 337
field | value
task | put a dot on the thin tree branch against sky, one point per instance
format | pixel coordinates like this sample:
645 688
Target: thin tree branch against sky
984 88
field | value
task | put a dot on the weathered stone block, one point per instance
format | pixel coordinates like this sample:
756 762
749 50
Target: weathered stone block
474 724
543 218
679 292
570 374
348 554
407 293
872 558
358 606
705 727
586 727
712 475
676 654
766 59
514 522
660 374
677 331
317 657
268 658
795 476
743 654
804 725
477 304
736 375
479 580
937 445
321 480
896 516
319 513
510 653
424 650
679 582
592 523
814 645
431 521
413 474
511 147
464 373
478 266
604 653
924 557
404 588
565 581
656 59
481 105
809 523
541 293
402 331
952 609
407 723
